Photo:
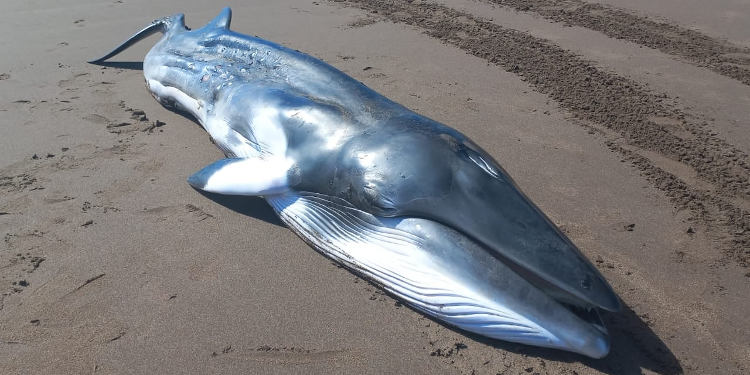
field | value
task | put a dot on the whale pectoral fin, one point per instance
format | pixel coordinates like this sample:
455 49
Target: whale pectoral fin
243 176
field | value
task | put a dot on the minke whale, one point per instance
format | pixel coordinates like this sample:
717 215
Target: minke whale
406 202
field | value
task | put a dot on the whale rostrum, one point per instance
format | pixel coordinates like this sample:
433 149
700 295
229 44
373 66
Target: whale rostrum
402 200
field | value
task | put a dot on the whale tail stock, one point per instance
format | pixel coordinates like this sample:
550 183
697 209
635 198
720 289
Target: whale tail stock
166 25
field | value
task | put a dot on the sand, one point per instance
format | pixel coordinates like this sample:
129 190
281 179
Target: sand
634 143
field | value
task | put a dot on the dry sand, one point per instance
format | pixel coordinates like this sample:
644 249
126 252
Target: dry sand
632 136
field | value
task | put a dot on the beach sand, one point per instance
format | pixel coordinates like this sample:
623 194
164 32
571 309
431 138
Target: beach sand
111 263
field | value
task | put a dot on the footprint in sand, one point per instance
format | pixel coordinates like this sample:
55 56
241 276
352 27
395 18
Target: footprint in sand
16 183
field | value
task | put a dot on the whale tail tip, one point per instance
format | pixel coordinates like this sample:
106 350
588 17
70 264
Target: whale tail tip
166 25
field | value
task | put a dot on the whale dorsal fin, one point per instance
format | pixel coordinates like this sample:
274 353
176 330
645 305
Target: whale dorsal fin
222 20
244 176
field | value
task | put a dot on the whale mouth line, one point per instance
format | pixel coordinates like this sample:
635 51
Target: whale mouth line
588 314
173 97
583 310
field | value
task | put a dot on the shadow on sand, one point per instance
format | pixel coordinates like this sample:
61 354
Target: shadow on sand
634 347
131 65
255 207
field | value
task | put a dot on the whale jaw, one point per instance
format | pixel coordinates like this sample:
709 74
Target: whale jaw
440 273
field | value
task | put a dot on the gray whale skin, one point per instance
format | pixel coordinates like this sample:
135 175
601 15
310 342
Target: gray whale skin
404 201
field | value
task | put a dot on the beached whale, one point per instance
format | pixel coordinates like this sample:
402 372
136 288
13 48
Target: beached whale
406 202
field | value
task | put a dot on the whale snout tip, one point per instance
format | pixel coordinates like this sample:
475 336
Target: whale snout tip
597 347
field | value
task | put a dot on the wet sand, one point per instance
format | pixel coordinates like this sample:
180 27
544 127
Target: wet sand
111 263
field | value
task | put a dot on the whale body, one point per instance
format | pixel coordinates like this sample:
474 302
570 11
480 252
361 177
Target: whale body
406 202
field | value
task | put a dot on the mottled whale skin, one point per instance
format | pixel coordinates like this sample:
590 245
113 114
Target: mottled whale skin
409 203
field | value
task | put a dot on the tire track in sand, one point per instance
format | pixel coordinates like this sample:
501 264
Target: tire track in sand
702 50
634 116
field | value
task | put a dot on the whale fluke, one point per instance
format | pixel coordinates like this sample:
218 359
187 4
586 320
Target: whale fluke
162 25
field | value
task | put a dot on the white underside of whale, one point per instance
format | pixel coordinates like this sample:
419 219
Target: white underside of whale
397 261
